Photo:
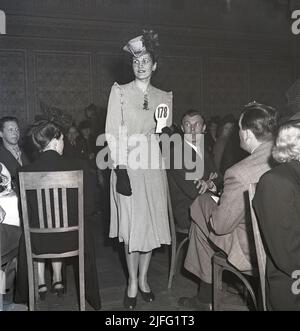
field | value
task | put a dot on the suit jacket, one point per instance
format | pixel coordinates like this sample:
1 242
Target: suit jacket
183 192
277 204
231 220
59 242
10 162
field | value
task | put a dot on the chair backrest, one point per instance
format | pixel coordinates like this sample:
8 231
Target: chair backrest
51 193
259 247
170 212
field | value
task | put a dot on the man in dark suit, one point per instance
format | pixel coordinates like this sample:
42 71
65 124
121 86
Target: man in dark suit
11 155
195 164
225 226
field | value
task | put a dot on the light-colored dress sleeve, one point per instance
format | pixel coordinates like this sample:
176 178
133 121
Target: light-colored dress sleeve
115 129
169 96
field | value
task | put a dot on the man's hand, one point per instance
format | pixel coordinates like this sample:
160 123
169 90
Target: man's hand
201 186
213 175
2 214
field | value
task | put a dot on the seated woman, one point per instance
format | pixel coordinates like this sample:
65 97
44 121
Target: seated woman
73 147
48 138
277 204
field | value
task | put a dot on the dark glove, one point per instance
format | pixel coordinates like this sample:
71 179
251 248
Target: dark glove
123 183
167 131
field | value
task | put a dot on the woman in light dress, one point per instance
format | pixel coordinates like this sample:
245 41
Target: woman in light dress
139 214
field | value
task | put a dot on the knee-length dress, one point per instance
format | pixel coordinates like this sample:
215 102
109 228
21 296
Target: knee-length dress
140 220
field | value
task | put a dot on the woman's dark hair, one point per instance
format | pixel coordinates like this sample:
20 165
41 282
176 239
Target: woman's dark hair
43 132
150 40
261 120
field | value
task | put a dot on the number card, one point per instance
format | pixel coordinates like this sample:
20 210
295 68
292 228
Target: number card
162 114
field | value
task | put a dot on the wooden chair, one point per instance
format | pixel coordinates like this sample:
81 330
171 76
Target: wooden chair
221 264
175 246
260 251
46 183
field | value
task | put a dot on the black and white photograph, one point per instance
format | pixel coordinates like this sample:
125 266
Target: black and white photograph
149 158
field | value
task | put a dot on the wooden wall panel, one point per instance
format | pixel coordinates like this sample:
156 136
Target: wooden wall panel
13 85
269 81
227 85
182 76
110 69
68 53
63 80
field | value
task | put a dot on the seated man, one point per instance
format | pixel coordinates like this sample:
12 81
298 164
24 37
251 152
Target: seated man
226 226
11 155
183 189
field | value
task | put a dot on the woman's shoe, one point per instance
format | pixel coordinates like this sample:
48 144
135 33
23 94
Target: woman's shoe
58 290
147 296
42 294
129 303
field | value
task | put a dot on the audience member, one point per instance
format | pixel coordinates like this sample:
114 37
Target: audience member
89 142
11 155
184 191
211 134
74 145
224 133
225 226
277 204
48 139
96 119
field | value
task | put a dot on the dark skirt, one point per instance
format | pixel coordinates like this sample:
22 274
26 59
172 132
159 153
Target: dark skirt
60 243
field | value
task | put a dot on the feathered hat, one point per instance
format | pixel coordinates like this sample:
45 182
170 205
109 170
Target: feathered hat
147 42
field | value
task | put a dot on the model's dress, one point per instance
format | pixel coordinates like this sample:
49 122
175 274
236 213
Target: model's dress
140 220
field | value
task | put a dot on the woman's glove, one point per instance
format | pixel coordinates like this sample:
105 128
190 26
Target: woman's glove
123 183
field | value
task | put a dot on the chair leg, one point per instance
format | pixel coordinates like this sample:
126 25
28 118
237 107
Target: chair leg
81 284
178 252
217 286
1 283
64 274
31 285
173 261
35 280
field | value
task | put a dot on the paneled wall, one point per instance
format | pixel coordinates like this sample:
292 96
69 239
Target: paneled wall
67 53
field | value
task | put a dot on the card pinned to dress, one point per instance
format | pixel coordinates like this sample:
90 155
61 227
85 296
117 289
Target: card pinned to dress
162 114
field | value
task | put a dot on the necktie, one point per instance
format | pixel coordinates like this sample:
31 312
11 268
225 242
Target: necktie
17 153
